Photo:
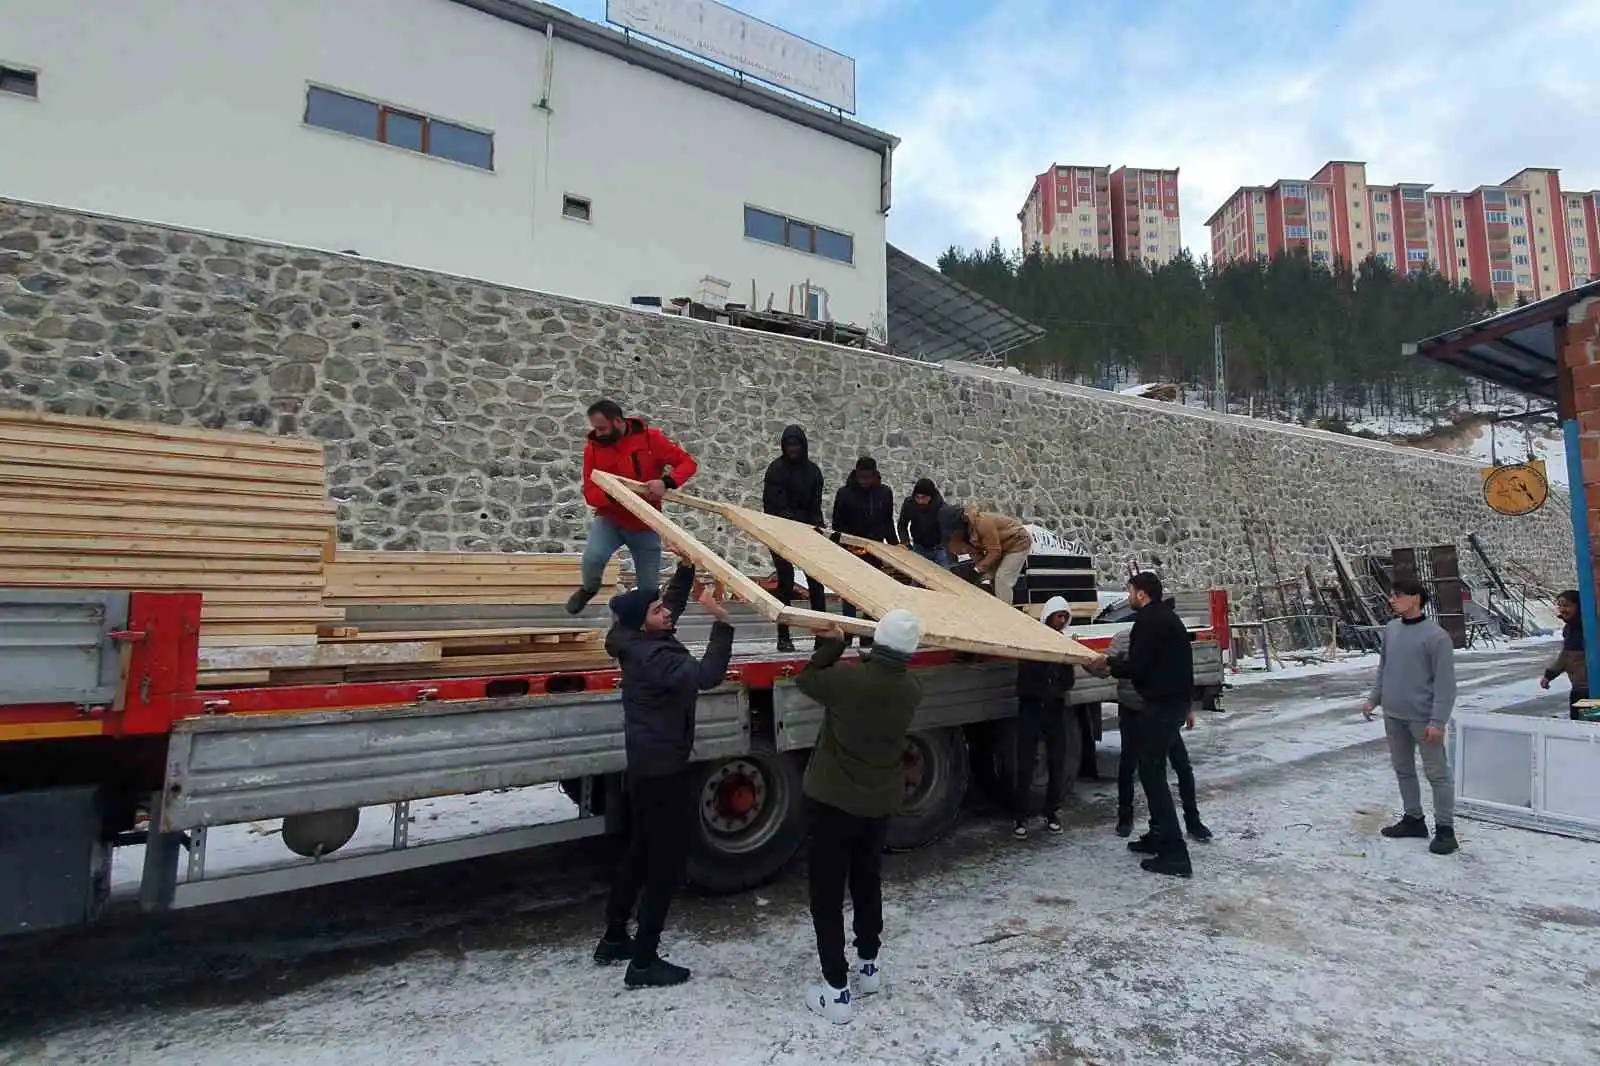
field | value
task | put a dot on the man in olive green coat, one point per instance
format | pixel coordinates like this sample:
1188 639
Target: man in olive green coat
854 783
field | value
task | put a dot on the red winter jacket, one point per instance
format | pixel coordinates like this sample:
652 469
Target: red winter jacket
641 453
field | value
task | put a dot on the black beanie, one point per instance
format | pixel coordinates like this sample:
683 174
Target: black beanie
867 462
630 607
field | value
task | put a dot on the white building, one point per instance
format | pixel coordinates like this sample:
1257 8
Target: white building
498 139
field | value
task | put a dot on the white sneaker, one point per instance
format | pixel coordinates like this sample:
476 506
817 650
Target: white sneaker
831 1003
868 978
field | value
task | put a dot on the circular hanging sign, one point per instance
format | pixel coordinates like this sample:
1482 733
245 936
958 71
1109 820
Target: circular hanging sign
1516 490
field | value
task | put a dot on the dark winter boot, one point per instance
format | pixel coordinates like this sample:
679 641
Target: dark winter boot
615 946
658 973
1173 865
580 599
1197 829
785 641
1145 845
1408 826
1444 840
1124 823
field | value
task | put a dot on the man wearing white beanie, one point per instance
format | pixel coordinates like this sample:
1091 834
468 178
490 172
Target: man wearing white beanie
854 783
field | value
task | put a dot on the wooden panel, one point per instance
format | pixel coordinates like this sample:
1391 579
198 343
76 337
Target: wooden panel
288 445
962 619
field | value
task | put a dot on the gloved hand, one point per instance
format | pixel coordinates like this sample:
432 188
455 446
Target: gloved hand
835 536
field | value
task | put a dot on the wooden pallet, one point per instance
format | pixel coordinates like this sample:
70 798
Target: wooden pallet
360 578
242 518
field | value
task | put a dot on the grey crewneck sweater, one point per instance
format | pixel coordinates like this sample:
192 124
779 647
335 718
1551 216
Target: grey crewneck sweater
1416 679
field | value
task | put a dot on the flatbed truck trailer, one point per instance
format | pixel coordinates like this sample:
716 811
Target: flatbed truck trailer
103 728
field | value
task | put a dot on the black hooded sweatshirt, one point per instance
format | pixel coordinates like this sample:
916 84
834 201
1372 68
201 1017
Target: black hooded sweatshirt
793 487
919 526
865 513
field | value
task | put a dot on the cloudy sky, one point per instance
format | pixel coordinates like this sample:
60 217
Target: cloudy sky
984 95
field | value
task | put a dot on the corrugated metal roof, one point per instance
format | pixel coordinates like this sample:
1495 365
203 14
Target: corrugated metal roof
1515 349
933 317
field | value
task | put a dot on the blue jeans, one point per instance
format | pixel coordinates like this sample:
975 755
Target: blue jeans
606 537
933 555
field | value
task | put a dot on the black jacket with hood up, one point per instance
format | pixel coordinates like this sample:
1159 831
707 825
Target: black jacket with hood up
919 526
793 487
662 682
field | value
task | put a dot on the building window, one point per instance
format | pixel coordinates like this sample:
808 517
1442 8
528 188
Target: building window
1460 224
1463 263
1380 197
1261 238
1580 242
1461 242
371 121
1499 217
1295 231
1500 277
575 207
1382 238
1577 223
1387 257
1515 201
19 82
772 228
1519 220
1520 260
1524 279
1520 241
1320 235
1574 203
1319 216
1295 191
1417 255
1319 257
1383 218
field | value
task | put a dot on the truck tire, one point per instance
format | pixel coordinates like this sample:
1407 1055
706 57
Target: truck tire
937 772
321 832
1005 760
750 819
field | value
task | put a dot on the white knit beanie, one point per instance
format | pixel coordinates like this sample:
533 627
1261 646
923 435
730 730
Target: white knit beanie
899 630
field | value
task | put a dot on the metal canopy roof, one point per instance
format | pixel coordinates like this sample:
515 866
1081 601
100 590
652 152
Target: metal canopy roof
933 317
1516 349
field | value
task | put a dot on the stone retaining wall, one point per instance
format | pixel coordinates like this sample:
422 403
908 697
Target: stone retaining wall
452 410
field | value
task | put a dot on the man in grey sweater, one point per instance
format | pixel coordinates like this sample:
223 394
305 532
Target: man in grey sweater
1416 687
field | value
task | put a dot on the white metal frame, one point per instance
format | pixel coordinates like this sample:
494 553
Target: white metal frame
1562 760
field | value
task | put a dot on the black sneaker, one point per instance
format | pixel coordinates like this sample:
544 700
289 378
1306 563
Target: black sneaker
657 974
1176 865
1020 830
580 599
1444 840
1124 823
1052 822
1145 845
785 642
1197 829
1407 827
611 950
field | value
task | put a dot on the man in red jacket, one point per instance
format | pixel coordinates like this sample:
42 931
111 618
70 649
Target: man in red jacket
627 448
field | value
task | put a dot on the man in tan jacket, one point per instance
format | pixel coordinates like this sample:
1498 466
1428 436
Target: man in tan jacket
998 544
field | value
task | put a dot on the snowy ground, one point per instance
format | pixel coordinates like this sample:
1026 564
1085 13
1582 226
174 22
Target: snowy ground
1303 938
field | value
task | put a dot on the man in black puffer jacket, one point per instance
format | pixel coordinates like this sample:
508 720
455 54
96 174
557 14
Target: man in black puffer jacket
793 490
661 683
864 507
1160 663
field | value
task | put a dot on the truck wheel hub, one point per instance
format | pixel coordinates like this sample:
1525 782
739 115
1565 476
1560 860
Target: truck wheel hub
734 797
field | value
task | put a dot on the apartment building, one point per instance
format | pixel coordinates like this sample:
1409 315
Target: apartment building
1522 239
1144 215
1089 210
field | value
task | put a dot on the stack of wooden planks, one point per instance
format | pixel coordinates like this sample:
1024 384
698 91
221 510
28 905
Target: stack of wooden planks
359 578
407 656
243 518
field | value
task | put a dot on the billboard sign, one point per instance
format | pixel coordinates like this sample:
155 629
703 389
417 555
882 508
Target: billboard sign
735 40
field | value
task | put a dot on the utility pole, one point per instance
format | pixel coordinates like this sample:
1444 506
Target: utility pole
1219 372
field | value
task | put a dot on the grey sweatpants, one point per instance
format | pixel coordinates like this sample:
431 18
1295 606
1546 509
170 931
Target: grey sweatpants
1405 738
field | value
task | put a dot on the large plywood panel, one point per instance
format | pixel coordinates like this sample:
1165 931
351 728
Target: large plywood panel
955 615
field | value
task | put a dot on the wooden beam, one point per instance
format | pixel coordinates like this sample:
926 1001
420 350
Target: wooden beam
741 586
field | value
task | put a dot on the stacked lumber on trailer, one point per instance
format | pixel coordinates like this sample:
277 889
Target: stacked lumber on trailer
360 578
242 518
408 656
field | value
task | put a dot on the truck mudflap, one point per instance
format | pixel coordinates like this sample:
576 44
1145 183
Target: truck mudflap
224 769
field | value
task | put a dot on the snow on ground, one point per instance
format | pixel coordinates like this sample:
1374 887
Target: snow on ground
1305 937
1509 443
